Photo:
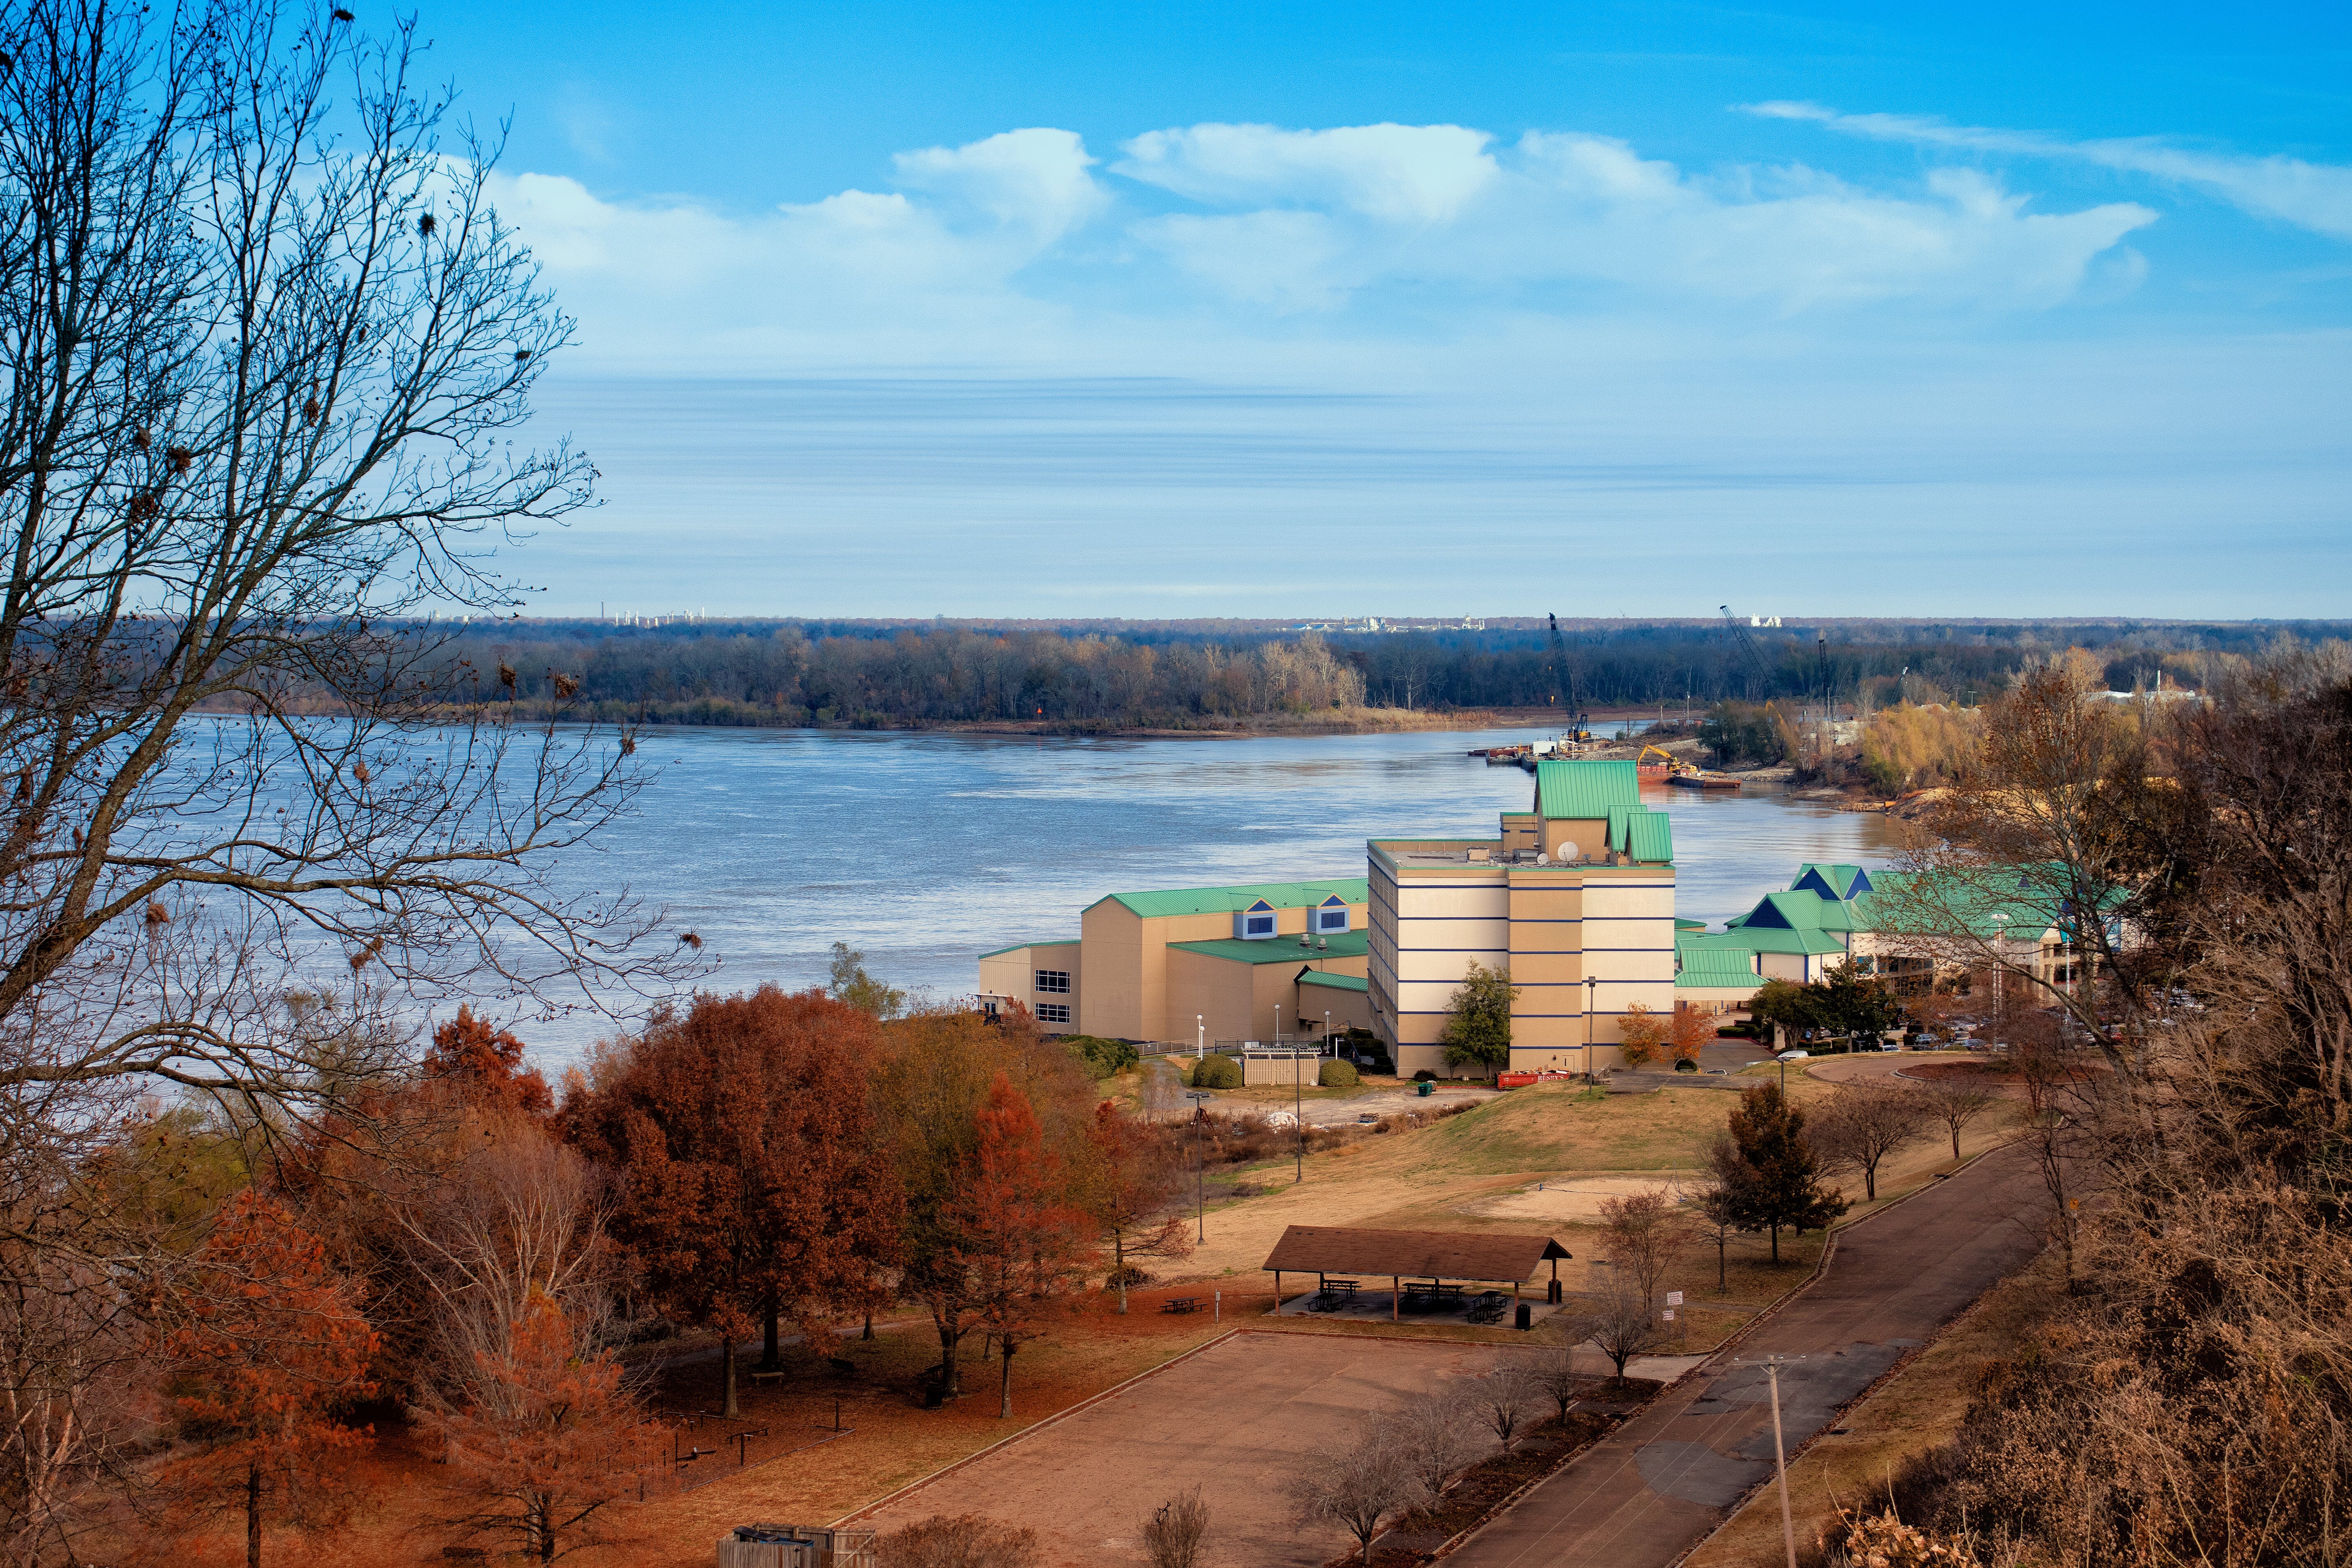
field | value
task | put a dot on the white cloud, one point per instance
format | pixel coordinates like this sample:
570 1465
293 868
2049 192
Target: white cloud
1565 210
1035 180
1397 173
1015 250
2317 196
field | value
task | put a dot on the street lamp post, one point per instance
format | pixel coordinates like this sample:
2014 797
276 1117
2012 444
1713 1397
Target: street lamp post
1999 980
1772 1366
1591 994
1199 1035
1200 1166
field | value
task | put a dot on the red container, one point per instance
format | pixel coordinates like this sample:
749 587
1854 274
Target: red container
1514 1080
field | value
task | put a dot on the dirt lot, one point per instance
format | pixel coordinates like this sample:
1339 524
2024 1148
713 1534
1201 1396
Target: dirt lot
1230 1420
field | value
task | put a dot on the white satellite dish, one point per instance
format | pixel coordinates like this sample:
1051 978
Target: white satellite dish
1567 851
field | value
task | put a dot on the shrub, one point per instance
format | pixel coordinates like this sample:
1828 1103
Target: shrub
1337 1075
969 1542
1642 1036
1103 1058
1424 1075
1216 1072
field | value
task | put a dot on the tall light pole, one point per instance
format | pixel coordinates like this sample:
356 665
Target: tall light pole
1999 980
1199 1035
1299 1114
1200 1163
1591 992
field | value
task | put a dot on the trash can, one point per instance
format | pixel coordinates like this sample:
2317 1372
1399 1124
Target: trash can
1527 1318
1426 1089
1552 1294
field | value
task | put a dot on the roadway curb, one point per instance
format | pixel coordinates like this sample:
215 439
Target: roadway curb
1088 1402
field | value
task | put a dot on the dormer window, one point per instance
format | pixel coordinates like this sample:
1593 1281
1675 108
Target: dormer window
1332 915
1254 924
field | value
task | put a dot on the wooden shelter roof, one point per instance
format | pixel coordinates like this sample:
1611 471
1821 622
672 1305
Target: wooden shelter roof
1415 1254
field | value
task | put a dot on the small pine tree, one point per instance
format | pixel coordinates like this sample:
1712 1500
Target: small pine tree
1767 1171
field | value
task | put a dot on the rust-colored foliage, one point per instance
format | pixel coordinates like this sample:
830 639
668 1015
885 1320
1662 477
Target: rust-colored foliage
1025 1245
269 1343
548 1440
486 1066
1133 1184
1691 1032
749 1159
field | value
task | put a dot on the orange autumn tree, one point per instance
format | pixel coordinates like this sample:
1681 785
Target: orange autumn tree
268 1343
1132 1186
1024 1242
546 1438
485 1066
1691 1031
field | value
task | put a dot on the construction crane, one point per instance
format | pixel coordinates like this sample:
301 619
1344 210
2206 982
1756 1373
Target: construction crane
1563 686
1763 676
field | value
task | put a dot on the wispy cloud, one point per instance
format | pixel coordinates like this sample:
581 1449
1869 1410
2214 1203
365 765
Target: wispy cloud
1020 243
2317 196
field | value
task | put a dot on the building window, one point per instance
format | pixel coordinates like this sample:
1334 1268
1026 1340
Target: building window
1053 1012
1331 920
1259 925
1057 979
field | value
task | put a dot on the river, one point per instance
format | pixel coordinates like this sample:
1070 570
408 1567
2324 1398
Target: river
926 850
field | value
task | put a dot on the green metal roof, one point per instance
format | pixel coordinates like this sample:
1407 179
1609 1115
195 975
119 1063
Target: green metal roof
1577 789
1838 878
1280 949
1718 968
1652 837
1016 947
1226 901
1335 981
1760 939
1683 924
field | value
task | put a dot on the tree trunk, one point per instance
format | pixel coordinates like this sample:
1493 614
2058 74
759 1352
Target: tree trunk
869 1325
727 1373
1775 1246
951 1374
547 1534
769 1358
1720 1284
1005 1385
1118 1259
253 1516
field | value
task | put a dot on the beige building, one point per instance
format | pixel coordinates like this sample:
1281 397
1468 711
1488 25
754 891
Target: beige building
1574 898
1188 963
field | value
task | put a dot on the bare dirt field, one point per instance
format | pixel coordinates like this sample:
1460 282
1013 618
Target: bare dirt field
1229 1419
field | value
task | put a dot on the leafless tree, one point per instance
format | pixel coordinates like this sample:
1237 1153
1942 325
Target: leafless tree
1356 1482
1435 1433
1620 1322
1557 1379
269 348
1174 1534
1647 1233
268 352
1956 1102
1865 1122
2051 865
1502 1399
1719 1208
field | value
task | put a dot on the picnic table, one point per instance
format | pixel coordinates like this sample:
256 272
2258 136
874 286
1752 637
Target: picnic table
1332 1295
1181 1304
1432 1296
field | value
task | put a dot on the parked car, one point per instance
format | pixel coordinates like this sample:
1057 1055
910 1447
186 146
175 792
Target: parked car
1792 1056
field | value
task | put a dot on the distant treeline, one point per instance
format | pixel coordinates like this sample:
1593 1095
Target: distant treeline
1172 675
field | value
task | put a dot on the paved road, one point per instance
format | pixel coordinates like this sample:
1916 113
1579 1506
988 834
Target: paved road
1661 1481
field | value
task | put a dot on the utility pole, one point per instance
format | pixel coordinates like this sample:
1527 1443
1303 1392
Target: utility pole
1772 1366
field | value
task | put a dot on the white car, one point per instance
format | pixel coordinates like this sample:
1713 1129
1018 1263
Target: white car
1792 1056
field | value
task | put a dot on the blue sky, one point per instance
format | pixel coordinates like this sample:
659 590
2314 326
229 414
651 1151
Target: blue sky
1286 309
